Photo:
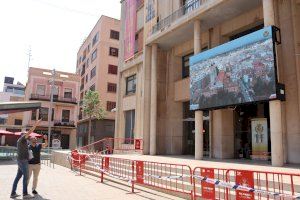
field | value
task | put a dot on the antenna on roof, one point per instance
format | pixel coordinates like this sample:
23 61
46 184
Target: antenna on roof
29 56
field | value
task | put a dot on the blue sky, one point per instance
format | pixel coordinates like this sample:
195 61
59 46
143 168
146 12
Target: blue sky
54 29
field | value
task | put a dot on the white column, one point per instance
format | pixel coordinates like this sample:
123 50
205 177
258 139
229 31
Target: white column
276 134
199 135
153 109
275 106
198 114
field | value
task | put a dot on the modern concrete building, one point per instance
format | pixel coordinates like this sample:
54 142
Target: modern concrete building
97 65
153 80
64 107
12 93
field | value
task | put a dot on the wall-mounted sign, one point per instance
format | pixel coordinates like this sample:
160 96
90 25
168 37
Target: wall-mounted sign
237 72
56 143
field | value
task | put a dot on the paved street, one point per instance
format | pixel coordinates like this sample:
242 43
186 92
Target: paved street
62 184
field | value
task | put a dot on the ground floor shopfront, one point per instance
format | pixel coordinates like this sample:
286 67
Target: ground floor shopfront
63 137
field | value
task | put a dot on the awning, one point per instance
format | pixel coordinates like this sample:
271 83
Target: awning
31 135
4 132
20 106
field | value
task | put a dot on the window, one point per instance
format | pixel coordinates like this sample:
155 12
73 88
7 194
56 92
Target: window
111 87
2 120
87 63
40 90
52 116
246 32
65 116
43 114
94 55
68 93
55 93
114 34
131 85
18 122
113 51
112 69
186 65
93 72
110 105
95 39
33 115
87 78
93 88
129 124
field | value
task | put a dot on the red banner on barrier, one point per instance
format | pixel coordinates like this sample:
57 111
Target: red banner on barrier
106 163
137 144
244 178
208 190
140 172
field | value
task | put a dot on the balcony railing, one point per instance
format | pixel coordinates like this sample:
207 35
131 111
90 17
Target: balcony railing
55 98
64 123
187 8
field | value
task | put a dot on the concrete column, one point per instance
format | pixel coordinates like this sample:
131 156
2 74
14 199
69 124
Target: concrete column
198 114
275 106
197 37
153 107
276 134
199 135
269 14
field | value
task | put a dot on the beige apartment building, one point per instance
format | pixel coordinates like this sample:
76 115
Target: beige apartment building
97 65
64 107
154 83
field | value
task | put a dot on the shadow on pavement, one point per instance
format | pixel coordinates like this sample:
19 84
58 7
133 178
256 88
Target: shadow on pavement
36 197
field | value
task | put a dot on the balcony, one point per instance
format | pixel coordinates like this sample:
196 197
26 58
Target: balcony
56 98
178 27
65 123
187 8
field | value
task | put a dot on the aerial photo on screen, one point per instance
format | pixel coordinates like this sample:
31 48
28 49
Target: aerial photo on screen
245 74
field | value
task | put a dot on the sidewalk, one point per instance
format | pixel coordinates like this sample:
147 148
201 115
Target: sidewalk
62 184
215 163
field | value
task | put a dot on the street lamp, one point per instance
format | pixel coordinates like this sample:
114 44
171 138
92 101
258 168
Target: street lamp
53 74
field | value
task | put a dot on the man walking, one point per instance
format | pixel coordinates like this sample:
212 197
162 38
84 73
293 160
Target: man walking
35 162
22 159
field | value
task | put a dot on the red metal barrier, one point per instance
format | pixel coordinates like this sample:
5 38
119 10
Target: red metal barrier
110 145
172 177
283 184
77 160
206 190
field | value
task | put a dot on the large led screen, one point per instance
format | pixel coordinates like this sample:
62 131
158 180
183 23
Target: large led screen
237 72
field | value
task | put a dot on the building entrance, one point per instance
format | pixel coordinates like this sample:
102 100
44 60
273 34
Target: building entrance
189 131
252 132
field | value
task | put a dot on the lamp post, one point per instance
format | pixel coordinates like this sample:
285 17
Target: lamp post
53 74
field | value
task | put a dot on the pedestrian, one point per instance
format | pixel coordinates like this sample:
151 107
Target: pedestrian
35 162
22 160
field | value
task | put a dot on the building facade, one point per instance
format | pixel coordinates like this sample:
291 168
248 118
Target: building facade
64 107
11 122
97 65
157 109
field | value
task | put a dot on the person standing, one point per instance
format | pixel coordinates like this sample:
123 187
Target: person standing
35 162
22 160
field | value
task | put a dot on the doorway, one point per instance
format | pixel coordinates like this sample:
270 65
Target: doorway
189 131
252 128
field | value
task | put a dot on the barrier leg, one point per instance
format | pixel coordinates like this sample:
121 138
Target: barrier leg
102 167
132 182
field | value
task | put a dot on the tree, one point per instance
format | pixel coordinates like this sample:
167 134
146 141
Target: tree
93 109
